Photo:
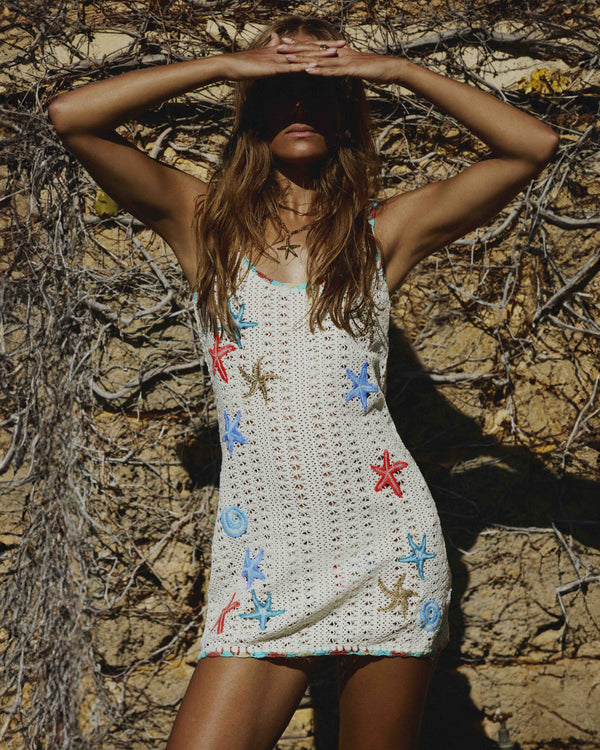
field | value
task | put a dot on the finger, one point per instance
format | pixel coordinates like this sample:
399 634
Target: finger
275 39
287 67
309 56
337 44
316 71
329 67
297 48
341 62
322 59
295 68
329 42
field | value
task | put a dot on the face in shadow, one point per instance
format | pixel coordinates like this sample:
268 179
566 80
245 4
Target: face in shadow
299 116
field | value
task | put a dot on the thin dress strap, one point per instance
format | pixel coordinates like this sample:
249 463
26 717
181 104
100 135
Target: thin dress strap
372 224
372 214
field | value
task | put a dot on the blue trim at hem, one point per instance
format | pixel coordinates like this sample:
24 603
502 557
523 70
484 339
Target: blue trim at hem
320 652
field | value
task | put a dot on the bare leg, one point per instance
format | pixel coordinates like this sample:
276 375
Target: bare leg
239 703
382 700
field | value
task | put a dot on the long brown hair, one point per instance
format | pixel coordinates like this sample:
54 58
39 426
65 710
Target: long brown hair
243 193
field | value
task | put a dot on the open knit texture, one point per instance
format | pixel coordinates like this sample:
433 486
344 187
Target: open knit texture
327 539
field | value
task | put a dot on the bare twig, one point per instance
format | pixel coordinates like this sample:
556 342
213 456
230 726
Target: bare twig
109 483
579 279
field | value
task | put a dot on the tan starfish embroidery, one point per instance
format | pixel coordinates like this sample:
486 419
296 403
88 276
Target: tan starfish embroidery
258 379
399 595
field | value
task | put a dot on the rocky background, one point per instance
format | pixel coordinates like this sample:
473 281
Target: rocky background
109 454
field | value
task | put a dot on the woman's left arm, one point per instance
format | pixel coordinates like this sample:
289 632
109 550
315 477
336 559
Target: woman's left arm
441 212
412 225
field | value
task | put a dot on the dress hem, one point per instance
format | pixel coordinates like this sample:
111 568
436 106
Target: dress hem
239 652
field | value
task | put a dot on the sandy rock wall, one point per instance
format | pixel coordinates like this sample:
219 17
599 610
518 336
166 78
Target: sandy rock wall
109 449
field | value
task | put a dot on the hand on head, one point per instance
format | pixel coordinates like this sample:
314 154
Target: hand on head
306 49
299 52
336 58
272 59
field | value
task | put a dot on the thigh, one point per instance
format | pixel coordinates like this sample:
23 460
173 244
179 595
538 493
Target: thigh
239 703
382 700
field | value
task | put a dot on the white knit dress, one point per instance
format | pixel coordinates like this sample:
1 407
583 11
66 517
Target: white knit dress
327 539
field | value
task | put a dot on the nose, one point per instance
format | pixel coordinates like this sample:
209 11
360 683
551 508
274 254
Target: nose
300 108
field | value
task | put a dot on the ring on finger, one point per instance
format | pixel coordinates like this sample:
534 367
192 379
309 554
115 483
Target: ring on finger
323 46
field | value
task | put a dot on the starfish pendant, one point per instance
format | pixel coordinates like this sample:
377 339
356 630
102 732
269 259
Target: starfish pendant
288 249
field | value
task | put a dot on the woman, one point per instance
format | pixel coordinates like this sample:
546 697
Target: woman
327 540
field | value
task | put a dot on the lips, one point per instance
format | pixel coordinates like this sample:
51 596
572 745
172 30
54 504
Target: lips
298 129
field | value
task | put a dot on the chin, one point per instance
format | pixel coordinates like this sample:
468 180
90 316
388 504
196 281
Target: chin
297 150
300 155
301 159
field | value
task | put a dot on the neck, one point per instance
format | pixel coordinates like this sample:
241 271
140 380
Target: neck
297 184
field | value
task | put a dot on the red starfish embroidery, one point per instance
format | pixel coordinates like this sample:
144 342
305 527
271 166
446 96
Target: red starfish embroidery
387 474
220 623
217 353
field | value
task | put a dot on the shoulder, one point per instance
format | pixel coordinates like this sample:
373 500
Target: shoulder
392 220
393 215
179 230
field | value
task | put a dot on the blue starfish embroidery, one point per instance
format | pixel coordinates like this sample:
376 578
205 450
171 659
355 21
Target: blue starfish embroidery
241 323
232 434
250 569
361 385
419 555
263 611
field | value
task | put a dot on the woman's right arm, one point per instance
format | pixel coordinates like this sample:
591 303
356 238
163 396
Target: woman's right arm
158 194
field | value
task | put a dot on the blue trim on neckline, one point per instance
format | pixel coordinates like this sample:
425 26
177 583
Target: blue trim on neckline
272 281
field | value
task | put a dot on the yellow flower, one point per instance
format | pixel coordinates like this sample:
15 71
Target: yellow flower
543 81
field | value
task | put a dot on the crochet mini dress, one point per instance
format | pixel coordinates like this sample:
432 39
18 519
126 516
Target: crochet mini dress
327 539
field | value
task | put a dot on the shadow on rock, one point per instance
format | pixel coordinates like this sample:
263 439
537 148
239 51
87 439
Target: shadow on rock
477 482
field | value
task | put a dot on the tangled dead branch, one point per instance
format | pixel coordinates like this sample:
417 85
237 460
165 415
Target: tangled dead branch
108 458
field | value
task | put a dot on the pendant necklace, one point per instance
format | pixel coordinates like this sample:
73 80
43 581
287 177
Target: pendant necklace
287 246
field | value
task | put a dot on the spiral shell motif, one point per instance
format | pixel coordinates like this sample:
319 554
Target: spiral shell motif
430 615
234 521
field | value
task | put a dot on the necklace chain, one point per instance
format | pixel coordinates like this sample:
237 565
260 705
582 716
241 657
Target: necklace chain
287 246
296 211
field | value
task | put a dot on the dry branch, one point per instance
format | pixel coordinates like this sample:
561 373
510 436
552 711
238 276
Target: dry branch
104 477
580 279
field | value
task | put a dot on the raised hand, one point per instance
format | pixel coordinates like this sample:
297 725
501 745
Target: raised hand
338 59
262 62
